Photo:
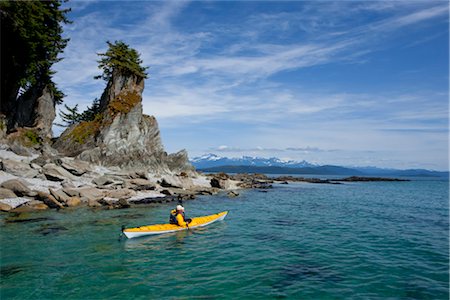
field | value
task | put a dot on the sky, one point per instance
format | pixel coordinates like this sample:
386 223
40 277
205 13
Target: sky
351 83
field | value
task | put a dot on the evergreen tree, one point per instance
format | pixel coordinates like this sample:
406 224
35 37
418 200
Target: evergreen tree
70 117
120 57
92 111
31 39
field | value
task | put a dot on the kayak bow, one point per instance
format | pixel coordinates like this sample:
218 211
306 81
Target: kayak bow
167 228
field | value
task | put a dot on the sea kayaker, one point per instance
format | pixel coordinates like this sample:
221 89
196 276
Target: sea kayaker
178 217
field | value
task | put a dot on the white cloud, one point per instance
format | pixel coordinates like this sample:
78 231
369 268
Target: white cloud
232 83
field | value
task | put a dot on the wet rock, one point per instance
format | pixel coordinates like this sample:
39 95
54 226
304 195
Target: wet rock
7 271
93 203
152 200
18 187
232 194
59 195
30 206
49 200
73 201
5 207
20 219
122 203
6 193
166 192
220 183
46 229
56 173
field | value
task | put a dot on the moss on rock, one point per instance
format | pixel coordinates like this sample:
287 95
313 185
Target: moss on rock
124 102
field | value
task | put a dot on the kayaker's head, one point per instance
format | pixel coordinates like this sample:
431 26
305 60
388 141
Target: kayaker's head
180 208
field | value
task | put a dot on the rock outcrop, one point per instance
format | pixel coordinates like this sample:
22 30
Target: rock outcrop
121 135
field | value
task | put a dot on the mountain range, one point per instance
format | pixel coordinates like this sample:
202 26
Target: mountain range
247 164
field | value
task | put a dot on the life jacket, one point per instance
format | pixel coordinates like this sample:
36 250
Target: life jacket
173 217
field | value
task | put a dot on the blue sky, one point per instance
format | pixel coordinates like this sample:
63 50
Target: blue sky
348 83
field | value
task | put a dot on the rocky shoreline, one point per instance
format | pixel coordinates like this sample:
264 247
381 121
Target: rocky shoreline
32 183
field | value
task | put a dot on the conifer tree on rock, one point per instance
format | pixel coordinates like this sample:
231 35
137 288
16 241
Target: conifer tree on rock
120 134
31 40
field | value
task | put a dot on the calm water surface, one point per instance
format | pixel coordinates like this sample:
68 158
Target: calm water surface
352 241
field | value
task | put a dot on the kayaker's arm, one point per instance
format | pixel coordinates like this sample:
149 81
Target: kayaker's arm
181 221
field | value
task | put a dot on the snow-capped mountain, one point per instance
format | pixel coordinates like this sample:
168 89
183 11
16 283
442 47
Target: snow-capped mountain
213 160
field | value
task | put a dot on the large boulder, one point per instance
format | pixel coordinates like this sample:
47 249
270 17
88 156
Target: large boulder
139 184
18 168
30 206
5 207
59 195
75 167
6 193
120 193
220 183
177 181
49 200
18 187
56 173
179 162
91 194
73 201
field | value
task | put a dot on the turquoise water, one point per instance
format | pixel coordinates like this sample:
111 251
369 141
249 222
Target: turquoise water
305 241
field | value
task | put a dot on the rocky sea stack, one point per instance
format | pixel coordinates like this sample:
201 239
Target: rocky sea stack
121 135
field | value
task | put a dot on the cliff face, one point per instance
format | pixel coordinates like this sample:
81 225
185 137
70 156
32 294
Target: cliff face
121 135
34 110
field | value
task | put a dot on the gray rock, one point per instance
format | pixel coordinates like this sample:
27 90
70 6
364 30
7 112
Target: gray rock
93 203
102 180
220 183
59 195
30 206
6 193
75 167
232 194
177 182
91 194
124 136
179 162
5 207
72 192
120 193
18 168
73 201
57 173
140 184
18 187
49 200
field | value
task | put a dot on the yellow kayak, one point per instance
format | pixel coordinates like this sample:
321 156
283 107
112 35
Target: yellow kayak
166 228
